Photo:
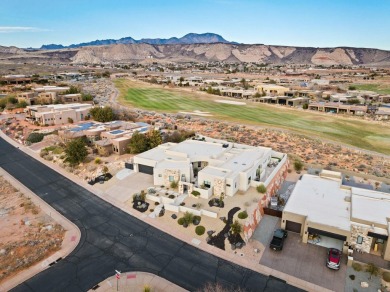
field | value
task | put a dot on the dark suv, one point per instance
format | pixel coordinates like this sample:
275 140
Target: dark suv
333 259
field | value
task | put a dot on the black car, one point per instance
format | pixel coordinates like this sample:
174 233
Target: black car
278 239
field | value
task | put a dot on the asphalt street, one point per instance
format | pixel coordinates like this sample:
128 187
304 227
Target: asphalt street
112 239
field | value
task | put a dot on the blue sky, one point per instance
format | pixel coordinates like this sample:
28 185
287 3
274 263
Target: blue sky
316 23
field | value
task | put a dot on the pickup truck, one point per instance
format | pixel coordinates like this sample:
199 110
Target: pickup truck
278 239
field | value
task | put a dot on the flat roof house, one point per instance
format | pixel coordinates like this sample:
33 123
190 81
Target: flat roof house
343 216
210 166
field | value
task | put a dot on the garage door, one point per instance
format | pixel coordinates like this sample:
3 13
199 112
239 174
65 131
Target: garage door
145 169
326 233
293 226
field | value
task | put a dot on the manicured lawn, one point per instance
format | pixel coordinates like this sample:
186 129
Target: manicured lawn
379 88
358 133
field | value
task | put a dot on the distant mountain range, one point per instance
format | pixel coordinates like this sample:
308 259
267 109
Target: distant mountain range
191 38
206 47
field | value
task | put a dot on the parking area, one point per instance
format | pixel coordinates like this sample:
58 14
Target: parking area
304 261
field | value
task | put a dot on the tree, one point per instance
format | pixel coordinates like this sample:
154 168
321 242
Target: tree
138 143
236 227
75 151
305 106
154 138
105 114
298 165
372 269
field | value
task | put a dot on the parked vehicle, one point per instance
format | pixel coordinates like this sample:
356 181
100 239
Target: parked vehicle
333 259
278 239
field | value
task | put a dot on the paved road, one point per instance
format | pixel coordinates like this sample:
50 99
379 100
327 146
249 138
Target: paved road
112 239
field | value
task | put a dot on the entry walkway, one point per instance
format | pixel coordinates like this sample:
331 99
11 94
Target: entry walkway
370 258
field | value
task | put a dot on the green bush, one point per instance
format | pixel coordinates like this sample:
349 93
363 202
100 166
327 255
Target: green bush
357 267
386 276
200 230
243 215
35 137
261 189
195 193
352 277
180 221
188 217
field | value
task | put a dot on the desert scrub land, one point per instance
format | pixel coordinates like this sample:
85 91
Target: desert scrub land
352 131
27 236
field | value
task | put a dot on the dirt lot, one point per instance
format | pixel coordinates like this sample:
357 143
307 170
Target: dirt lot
27 236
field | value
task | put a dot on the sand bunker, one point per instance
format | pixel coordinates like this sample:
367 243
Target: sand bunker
230 102
197 113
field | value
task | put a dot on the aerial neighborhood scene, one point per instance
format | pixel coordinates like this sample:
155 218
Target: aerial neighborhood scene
211 145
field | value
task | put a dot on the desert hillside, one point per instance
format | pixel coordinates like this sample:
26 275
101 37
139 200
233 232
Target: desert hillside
202 53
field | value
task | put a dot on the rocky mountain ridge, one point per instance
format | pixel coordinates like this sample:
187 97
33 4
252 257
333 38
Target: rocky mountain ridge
224 52
191 38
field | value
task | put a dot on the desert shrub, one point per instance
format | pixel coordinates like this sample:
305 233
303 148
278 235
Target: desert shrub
35 137
171 196
196 218
386 276
243 215
180 221
195 193
147 288
357 267
200 230
352 277
298 165
98 160
188 217
156 203
261 189
151 210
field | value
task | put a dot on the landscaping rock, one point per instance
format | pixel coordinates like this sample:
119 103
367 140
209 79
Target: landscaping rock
174 216
210 232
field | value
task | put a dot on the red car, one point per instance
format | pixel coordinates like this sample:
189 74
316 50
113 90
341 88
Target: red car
334 258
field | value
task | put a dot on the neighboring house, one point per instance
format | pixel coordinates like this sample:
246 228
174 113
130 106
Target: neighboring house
58 114
209 166
284 100
271 90
28 97
338 108
343 216
238 93
108 138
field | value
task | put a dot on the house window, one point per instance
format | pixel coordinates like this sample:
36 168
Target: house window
359 240
235 185
200 164
207 183
249 180
171 179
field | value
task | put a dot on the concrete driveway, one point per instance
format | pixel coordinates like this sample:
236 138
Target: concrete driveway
304 261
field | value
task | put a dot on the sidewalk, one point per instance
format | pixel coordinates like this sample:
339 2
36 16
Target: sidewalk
235 258
137 282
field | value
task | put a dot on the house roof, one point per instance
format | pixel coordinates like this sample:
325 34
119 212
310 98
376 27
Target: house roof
322 201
